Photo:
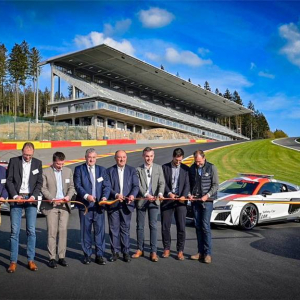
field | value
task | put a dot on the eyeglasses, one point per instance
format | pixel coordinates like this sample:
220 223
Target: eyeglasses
148 173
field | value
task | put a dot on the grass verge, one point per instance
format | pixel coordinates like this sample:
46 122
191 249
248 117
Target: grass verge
261 157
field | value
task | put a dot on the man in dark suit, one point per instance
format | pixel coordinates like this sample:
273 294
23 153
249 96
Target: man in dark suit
177 185
152 187
3 191
57 184
92 185
124 187
24 182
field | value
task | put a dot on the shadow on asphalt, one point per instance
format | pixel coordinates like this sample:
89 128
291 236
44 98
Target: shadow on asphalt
279 241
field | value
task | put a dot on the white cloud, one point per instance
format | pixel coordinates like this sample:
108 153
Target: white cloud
223 79
203 51
252 66
95 38
119 28
155 17
291 33
153 56
266 74
185 57
278 102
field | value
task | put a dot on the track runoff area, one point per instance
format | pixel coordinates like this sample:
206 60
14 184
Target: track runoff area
260 264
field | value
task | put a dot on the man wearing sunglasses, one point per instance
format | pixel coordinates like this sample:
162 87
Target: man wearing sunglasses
152 186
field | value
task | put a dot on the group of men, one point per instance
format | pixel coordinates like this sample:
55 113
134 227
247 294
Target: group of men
118 190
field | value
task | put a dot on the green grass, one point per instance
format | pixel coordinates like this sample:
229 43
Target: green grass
261 157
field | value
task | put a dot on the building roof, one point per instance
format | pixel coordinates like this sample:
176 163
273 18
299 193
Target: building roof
123 68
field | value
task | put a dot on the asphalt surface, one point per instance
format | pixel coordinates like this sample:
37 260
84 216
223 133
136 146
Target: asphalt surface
289 143
260 264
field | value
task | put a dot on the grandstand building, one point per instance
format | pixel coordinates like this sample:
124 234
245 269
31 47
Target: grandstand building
109 88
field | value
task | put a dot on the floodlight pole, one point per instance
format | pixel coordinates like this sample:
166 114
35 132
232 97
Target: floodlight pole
37 97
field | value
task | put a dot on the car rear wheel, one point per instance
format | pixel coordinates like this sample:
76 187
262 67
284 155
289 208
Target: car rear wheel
248 217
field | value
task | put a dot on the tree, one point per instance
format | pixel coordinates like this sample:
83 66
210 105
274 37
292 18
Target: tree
238 118
278 133
206 86
34 70
18 69
3 72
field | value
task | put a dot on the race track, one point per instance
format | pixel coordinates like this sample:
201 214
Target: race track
260 264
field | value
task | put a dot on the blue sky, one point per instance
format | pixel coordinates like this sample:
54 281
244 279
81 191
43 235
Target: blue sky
249 46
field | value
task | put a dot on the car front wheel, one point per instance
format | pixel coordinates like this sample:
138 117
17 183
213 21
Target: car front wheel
248 217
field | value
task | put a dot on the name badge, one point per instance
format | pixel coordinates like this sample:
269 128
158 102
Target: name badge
206 174
100 179
36 171
67 180
3 180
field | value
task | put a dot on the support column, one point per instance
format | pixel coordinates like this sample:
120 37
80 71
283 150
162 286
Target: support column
73 92
73 121
133 128
125 126
52 85
116 124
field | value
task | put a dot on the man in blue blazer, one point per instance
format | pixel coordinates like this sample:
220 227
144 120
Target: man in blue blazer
3 191
177 185
92 185
124 187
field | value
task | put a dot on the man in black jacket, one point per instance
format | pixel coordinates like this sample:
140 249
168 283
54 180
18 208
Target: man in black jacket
177 185
204 186
24 182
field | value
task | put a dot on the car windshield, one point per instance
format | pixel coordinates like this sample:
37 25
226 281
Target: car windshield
238 187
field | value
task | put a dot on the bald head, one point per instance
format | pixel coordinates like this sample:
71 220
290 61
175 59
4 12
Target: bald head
121 158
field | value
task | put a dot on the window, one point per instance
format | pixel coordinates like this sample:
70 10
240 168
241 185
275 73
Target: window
273 187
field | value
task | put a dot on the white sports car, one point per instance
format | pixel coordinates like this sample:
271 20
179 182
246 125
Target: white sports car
251 199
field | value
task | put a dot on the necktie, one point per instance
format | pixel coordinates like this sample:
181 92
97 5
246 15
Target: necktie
93 182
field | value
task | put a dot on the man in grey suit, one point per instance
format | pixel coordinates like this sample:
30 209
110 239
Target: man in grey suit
57 185
152 186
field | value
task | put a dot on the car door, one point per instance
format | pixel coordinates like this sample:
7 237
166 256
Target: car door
272 210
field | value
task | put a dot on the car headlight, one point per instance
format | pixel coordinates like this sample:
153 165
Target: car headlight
226 207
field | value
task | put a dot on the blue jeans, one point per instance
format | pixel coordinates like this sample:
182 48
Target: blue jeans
202 213
153 210
15 219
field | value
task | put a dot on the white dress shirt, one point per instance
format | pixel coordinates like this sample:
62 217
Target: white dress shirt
25 189
121 178
148 172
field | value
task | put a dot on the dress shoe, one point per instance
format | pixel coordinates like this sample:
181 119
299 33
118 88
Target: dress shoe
52 264
207 259
138 254
12 267
87 260
180 255
63 262
197 256
126 257
114 257
32 266
166 253
153 257
100 260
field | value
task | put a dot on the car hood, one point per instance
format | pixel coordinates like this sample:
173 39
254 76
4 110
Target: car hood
224 199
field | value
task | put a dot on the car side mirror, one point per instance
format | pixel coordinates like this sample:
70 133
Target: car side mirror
266 193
